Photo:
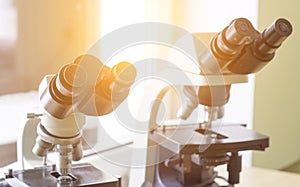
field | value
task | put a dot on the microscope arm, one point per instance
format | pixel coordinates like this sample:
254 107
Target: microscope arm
25 142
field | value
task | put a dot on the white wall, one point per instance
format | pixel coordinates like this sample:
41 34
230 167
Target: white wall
277 90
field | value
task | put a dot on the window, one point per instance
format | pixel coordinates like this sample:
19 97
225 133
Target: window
8 36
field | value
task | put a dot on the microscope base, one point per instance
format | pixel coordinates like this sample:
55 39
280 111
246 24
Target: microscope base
85 174
188 154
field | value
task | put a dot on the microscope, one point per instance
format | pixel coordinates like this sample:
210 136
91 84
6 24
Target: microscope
84 87
187 154
239 50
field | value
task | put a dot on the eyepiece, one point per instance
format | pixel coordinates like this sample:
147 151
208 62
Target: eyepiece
273 36
277 32
124 72
117 80
227 44
257 54
239 31
112 87
63 89
70 77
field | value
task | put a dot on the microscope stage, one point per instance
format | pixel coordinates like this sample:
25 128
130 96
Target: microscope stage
86 175
189 139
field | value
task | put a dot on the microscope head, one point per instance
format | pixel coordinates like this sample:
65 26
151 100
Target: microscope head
84 87
87 86
238 49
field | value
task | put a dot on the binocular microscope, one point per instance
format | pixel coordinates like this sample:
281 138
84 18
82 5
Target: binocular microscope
87 87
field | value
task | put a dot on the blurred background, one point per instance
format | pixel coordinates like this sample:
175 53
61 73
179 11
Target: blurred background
37 37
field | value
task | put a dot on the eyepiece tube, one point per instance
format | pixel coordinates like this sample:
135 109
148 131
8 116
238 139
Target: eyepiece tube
111 88
227 44
124 74
273 36
63 89
257 54
239 31
114 87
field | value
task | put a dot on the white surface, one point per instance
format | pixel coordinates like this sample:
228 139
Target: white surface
261 177
13 111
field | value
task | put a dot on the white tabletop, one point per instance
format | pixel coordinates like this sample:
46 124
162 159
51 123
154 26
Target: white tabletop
262 177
